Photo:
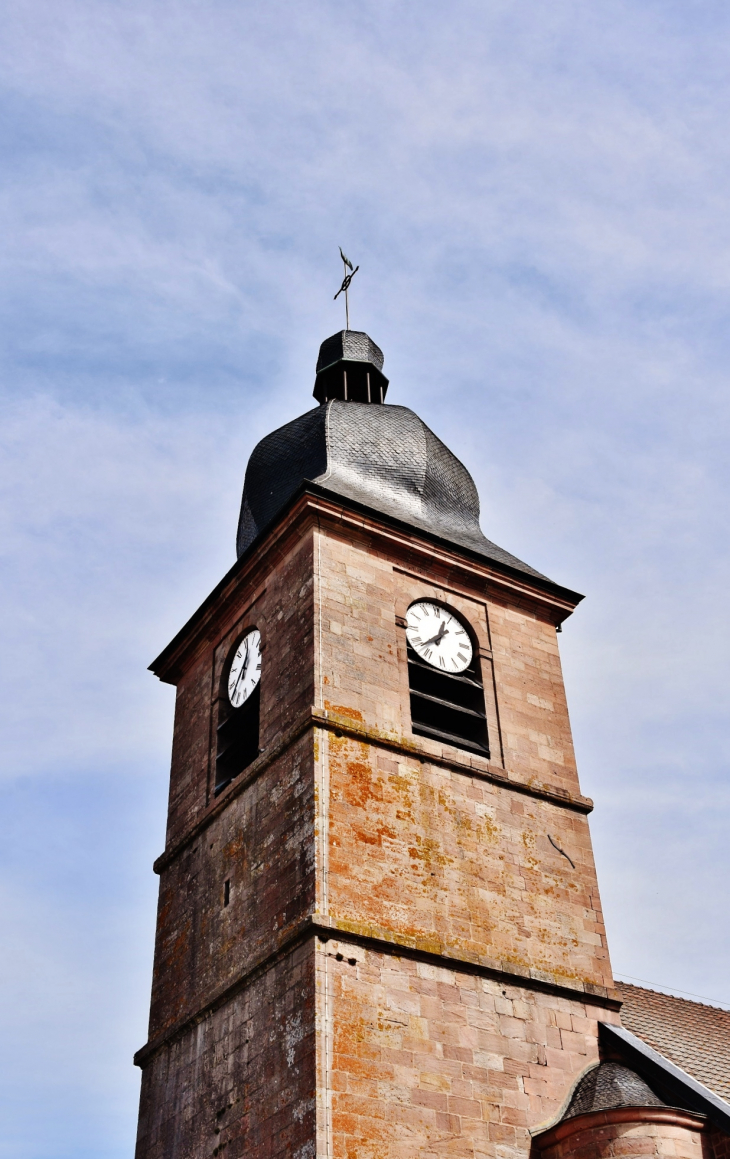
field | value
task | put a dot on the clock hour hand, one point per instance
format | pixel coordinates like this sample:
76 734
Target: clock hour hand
443 631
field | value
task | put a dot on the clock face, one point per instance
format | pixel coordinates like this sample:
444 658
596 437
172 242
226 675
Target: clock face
245 670
438 637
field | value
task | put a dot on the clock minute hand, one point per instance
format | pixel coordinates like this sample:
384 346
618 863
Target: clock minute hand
244 666
443 631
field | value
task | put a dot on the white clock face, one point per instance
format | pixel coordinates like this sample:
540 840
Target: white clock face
245 670
438 637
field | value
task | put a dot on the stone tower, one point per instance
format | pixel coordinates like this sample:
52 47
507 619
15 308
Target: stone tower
379 932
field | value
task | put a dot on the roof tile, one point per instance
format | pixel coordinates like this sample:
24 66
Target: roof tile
693 1036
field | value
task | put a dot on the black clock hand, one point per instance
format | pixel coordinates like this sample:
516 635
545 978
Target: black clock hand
244 666
443 631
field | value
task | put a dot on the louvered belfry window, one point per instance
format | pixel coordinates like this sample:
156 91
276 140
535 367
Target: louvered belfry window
238 739
449 706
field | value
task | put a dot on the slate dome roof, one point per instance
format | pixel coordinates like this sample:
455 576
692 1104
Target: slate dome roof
380 456
610 1085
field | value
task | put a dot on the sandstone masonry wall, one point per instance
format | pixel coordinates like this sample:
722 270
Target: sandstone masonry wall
632 1140
427 1061
427 855
439 860
292 1020
263 845
241 1083
278 602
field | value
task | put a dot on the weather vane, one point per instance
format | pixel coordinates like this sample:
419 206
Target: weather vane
346 285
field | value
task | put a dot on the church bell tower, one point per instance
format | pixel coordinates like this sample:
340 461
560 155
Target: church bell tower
379 933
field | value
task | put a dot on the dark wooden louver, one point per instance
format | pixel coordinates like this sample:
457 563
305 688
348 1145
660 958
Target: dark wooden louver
448 707
238 739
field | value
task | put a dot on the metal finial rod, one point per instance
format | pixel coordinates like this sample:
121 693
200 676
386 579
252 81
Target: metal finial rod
346 285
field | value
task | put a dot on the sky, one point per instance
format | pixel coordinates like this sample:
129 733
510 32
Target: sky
538 196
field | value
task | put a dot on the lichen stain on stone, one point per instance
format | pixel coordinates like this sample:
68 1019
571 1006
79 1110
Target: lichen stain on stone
358 1137
344 712
349 1036
488 831
402 793
374 836
445 846
428 851
361 785
234 850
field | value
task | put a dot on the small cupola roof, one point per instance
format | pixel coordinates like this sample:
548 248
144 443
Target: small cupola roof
350 368
610 1085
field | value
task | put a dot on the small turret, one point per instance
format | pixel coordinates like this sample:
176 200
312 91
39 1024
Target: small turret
350 368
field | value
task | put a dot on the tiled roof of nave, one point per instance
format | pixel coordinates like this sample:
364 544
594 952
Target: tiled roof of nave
692 1035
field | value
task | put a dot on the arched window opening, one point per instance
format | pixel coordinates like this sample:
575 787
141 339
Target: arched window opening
238 719
444 676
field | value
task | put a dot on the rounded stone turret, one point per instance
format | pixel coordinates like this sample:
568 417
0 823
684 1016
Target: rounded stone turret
613 1111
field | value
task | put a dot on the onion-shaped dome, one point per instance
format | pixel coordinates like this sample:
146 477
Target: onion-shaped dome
379 456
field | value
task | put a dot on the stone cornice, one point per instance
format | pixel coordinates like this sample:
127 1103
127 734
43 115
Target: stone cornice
470 766
413 747
326 928
427 555
669 1116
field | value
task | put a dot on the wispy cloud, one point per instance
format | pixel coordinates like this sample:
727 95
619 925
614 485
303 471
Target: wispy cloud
538 198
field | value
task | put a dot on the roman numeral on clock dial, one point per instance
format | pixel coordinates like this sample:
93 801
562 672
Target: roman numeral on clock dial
438 637
245 670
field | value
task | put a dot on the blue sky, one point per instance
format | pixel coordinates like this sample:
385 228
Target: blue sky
539 199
